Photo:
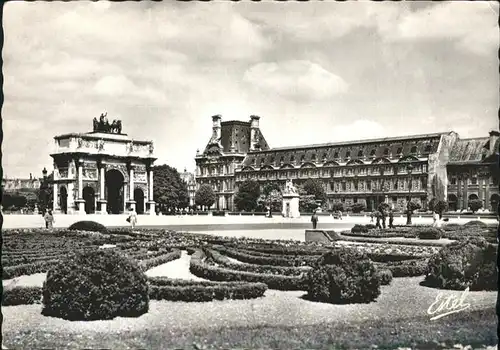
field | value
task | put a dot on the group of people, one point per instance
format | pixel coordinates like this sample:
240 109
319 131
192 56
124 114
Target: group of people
49 218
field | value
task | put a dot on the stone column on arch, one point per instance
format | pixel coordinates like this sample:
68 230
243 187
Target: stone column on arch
151 202
130 201
55 199
80 201
102 188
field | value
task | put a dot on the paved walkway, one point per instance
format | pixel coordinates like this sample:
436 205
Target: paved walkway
177 269
204 222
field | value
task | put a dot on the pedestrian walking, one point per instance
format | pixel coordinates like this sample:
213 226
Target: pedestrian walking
371 216
314 220
377 218
49 219
132 218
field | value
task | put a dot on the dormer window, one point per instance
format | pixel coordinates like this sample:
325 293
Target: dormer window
360 153
336 155
282 159
313 157
372 153
302 158
253 161
399 151
386 152
324 156
413 150
428 149
292 158
262 162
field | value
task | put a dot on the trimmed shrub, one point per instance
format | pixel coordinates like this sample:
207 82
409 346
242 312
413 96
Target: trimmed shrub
201 269
359 229
476 223
385 277
408 268
96 285
470 263
344 276
266 259
21 296
88 226
429 233
159 260
162 288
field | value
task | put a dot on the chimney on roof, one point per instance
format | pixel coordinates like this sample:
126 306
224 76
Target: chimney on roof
216 128
493 140
254 132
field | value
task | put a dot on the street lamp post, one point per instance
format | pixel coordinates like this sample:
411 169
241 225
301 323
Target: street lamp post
408 205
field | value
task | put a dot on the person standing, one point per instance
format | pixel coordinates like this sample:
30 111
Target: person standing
371 216
132 218
377 218
314 220
49 219
391 219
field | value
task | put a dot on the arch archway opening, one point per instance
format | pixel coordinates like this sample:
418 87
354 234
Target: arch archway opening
89 197
63 199
139 200
494 201
114 191
452 202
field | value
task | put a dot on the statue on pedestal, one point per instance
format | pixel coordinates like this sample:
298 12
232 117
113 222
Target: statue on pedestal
96 124
103 125
290 188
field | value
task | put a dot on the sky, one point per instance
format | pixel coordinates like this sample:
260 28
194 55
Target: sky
314 71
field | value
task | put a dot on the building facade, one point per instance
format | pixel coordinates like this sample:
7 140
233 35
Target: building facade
190 180
103 171
393 170
15 184
473 173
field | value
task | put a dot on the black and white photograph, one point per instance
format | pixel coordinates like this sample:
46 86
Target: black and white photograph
250 175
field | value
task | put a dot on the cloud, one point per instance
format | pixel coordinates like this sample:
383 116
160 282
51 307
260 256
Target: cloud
471 25
295 79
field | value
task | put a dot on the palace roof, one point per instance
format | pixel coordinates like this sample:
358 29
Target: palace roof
469 150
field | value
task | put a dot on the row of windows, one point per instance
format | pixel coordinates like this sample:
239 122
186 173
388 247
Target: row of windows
338 172
375 185
472 181
347 155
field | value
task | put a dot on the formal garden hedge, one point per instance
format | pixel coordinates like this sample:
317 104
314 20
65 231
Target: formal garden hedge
161 259
407 268
385 277
95 285
201 267
470 263
343 276
162 288
21 295
220 259
429 233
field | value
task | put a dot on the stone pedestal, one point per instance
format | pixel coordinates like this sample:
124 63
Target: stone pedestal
80 203
152 207
103 203
291 206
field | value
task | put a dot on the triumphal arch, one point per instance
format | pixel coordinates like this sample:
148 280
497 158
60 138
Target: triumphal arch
103 171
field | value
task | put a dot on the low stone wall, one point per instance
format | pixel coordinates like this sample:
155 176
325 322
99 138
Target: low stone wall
322 236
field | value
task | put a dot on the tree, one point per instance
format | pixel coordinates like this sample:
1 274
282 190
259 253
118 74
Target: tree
247 195
169 191
475 205
205 196
410 208
338 206
440 207
45 194
315 188
271 197
358 207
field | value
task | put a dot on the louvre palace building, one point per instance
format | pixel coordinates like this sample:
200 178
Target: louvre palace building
392 170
